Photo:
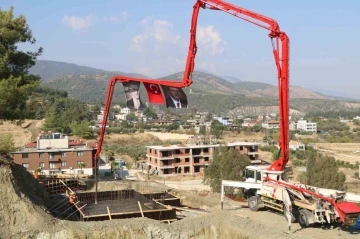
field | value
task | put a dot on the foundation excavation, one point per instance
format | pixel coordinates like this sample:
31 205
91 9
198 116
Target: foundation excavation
76 204
125 204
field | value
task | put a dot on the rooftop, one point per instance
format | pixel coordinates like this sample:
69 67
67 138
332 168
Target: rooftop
162 147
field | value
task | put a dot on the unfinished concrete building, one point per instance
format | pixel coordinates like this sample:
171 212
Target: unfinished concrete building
191 159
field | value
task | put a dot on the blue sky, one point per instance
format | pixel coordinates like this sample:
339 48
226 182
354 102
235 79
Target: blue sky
151 37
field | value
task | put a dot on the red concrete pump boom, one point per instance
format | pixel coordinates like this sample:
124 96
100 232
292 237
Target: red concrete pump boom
281 56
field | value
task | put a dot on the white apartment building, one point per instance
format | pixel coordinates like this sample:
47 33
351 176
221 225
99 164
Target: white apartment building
125 110
306 126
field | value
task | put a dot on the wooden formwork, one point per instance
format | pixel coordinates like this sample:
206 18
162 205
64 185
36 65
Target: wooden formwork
55 186
122 204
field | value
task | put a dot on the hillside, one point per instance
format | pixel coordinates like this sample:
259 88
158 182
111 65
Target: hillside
207 93
231 79
213 84
52 69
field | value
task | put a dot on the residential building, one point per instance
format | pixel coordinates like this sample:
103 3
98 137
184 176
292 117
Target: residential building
225 120
292 126
125 110
296 145
249 124
117 107
191 159
306 126
55 153
121 116
271 124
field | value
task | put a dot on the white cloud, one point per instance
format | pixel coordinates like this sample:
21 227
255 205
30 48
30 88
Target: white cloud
111 19
208 66
137 42
210 39
114 19
158 30
124 15
78 23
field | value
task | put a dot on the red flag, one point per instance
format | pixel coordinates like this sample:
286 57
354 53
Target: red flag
154 93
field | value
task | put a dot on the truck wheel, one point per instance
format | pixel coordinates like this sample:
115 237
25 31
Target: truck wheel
253 203
303 218
293 217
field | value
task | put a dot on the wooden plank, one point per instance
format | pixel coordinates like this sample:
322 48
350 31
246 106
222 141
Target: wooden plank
125 213
188 209
142 214
109 213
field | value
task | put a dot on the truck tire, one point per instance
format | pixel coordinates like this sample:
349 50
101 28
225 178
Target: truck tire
303 218
253 203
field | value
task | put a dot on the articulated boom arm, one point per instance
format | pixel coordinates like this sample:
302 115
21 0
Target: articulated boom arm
281 59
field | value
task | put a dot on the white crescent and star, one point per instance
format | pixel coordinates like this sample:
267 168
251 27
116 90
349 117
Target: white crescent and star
154 88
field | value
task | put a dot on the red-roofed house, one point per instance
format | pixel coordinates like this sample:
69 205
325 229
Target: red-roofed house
55 153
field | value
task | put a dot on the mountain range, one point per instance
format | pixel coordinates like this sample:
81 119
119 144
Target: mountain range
208 92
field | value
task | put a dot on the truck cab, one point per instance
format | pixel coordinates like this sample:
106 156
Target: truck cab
253 173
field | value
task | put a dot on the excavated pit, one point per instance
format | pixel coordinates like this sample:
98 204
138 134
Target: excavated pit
125 204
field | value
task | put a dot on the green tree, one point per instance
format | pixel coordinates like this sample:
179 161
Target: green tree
81 165
82 129
114 166
202 130
217 128
131 117
7 144
227 164
16 84
323 172
149 112
63 112
172 126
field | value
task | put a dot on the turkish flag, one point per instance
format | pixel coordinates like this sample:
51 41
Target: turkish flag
154 93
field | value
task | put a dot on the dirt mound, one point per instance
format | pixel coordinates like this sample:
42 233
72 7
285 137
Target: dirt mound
22 201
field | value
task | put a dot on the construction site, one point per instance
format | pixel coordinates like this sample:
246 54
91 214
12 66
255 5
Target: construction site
137 209
95 207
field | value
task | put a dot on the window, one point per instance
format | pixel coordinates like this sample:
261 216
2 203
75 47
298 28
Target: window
196 160
178 160
52 165
25 155
250 174
206 159
63 154
51 155
187 160
63 163
258 176
25 165
80 154
206 150
41 155
42 165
